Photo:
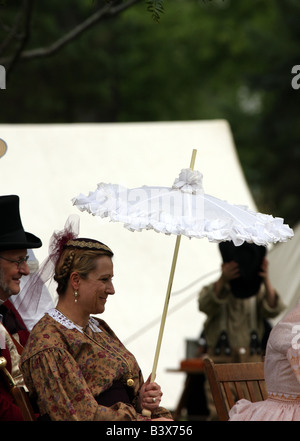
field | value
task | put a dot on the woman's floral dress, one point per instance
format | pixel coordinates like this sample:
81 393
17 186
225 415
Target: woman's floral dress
65 371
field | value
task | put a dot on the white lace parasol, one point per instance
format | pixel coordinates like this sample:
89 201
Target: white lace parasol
183 209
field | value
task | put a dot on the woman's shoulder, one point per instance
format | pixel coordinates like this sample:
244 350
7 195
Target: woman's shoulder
47 322
46 334
281 336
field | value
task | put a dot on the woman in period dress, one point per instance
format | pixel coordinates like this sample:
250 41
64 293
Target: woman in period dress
74 365
282 376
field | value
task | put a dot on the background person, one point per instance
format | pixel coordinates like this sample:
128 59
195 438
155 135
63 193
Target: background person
239 303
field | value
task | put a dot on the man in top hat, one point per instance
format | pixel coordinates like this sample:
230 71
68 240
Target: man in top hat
14 242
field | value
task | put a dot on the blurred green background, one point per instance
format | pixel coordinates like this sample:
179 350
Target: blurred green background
203 59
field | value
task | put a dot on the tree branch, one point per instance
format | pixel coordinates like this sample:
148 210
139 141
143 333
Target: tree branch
24 16
11 32
108 11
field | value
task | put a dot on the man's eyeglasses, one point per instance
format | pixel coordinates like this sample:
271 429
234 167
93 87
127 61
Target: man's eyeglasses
19 262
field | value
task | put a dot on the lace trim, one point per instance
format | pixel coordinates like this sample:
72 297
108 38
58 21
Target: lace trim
284 397
63 320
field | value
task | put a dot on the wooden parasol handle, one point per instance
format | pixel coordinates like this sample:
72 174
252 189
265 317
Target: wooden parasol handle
146 412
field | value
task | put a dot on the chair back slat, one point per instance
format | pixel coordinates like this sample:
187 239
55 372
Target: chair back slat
228 394
240 390
254 391
230 382
263 389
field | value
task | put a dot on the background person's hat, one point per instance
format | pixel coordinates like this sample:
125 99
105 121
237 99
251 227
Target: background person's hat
12 234
249 257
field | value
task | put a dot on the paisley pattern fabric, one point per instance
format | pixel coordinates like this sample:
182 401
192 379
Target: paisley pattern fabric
66 372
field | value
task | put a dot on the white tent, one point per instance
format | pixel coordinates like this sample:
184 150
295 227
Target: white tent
284 261
47 165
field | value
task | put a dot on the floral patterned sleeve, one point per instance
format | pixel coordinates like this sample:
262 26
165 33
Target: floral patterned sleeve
64 395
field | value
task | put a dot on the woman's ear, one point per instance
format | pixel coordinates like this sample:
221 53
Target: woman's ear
75 280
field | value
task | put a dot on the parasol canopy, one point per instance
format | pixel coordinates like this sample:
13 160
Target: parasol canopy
183 209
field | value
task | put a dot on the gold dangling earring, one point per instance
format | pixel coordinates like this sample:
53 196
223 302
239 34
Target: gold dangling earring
76 296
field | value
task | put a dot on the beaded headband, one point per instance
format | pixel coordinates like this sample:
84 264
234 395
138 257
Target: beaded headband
88 244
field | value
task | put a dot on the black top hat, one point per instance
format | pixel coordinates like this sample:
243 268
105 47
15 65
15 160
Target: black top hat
249 257
12 234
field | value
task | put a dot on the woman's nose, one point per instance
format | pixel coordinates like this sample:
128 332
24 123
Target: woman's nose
110 289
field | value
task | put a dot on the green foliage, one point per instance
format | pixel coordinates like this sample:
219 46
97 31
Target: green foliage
205 60
156 8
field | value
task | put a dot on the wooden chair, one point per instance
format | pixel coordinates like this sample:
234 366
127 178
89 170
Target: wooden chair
18 393
230 382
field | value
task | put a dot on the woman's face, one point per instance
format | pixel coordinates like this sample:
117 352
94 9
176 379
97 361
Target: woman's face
94 290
